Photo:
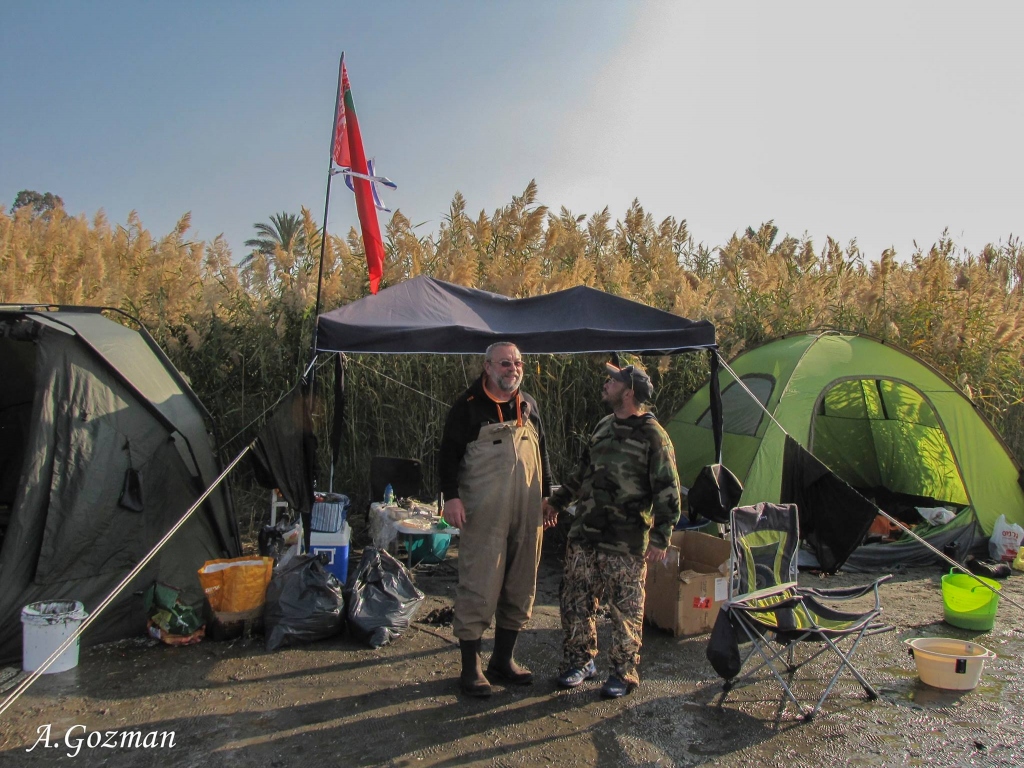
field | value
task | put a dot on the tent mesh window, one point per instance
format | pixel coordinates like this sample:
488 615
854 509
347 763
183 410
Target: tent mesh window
742 416
882 434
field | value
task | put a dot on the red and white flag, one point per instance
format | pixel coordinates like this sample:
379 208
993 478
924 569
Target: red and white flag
349 155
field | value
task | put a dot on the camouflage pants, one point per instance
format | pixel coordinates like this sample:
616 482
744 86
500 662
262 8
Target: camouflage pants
617 581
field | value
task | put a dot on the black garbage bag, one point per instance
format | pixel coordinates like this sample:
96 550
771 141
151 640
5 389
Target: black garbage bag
383 599
281 541
304 603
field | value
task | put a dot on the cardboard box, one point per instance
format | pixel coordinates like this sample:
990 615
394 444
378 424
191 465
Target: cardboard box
686 591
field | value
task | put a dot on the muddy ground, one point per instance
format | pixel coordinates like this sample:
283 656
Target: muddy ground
339 703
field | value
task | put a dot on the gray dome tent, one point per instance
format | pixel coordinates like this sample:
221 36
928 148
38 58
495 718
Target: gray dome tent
84 402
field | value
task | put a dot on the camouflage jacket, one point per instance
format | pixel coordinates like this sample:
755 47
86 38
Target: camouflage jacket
626 487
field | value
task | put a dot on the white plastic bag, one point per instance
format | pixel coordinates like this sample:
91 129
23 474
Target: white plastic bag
936 515
1006 540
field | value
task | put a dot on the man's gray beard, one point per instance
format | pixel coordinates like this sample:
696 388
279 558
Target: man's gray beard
505 386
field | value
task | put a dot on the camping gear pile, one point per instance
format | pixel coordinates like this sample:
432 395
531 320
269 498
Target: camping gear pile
299 600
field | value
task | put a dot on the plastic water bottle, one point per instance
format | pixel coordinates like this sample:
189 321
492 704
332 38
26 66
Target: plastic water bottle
389 494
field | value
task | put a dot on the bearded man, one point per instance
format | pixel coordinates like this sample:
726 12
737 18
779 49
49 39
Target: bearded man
494 475
628 502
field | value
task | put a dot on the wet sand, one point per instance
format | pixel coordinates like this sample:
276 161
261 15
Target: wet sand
337 702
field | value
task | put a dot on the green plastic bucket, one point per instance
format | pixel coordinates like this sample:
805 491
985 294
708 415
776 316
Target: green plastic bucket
428 550
968 604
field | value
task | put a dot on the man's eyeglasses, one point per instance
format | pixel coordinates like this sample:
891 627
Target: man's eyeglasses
507 363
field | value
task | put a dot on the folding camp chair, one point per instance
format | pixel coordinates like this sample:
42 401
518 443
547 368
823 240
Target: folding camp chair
775 615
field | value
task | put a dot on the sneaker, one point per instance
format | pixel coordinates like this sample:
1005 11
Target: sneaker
615 688
574 676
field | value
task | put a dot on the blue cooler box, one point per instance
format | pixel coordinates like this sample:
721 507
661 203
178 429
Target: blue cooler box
335 546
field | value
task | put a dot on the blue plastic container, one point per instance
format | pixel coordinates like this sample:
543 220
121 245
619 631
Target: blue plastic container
335 546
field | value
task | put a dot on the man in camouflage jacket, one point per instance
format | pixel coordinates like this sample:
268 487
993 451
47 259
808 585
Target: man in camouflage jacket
628 502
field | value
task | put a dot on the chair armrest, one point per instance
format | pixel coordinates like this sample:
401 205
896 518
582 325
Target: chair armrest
845 593
753 601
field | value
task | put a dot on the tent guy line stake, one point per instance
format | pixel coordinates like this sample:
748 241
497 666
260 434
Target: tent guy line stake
881 511
24 686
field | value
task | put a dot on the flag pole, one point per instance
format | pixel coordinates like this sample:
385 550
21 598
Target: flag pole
327 208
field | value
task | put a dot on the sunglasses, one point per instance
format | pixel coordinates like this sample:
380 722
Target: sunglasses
507 363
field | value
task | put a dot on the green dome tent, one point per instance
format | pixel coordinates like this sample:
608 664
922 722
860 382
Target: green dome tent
881 419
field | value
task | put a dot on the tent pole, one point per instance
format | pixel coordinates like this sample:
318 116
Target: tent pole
327 208
24 686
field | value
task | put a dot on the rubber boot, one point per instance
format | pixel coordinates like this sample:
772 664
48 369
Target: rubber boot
502 666
472 681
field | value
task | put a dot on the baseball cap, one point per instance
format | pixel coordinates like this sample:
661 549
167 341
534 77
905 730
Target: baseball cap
635 377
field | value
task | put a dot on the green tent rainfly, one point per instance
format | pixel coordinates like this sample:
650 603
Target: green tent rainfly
880 418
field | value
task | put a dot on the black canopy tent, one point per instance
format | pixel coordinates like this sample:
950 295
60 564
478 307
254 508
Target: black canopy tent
432 316
424 315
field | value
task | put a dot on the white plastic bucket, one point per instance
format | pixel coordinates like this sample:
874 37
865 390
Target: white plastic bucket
45 626
944 662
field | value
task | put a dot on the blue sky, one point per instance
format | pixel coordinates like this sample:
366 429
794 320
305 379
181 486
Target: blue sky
877 120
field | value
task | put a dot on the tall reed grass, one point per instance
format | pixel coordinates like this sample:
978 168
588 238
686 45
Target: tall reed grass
243 334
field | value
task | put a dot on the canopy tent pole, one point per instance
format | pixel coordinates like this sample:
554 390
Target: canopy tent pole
717 421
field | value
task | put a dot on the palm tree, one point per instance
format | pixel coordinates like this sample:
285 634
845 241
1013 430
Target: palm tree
284 231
